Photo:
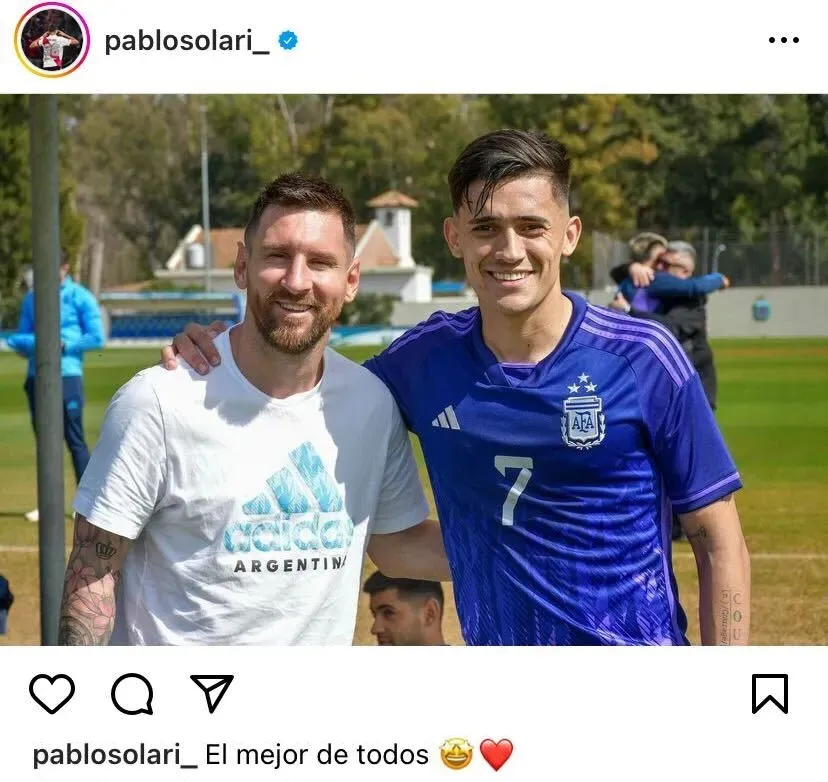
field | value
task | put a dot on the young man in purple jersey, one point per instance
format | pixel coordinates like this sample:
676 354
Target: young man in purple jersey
558 436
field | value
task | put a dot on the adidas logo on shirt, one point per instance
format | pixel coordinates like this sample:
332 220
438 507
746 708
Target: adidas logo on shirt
446 420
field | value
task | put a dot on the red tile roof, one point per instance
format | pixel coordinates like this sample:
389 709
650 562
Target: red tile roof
223 247
391 199
377 252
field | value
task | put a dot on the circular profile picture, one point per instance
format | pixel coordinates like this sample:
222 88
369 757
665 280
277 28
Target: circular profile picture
52 39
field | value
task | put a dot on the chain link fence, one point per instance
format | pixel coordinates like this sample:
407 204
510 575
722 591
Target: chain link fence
786 257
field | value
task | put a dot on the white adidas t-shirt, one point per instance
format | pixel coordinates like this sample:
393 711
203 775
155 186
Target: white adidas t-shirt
249 515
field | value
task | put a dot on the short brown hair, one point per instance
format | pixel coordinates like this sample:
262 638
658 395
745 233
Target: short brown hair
504 155
641 245
303 192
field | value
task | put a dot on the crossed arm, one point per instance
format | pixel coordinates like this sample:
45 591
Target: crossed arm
40 40
87 615
23 340
723 564
666 286
72 40
92 336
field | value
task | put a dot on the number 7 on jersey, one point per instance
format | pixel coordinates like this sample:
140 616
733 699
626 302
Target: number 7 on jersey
522 463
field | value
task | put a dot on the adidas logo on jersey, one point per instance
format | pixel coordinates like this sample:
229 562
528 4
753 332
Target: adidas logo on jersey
302 509
446 420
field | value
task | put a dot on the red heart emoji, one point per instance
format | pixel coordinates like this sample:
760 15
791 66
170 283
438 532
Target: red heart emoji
496 754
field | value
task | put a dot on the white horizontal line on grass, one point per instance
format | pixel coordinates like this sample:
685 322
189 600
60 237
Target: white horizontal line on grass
769 555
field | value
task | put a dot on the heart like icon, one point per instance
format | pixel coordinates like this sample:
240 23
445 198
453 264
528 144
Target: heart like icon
52 692
496 754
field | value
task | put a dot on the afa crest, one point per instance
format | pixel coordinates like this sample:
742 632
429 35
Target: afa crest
583 424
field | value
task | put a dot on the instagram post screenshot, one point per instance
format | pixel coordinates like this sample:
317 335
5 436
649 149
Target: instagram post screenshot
497 330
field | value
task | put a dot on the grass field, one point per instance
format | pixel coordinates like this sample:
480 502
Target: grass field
773 410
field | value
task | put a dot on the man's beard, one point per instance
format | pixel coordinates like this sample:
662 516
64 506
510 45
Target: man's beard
281 333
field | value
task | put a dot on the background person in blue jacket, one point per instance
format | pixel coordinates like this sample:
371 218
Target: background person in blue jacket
680 304
673 279
81 329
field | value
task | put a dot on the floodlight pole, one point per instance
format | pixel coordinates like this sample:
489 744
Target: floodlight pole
45 228
205 201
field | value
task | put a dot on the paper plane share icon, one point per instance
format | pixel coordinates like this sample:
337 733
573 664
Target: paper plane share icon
213 688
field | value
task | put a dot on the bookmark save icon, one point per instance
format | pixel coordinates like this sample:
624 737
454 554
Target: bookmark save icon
213 688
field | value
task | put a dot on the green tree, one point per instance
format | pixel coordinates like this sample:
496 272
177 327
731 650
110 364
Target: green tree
139 159
16 204
368 309
743 163
371 143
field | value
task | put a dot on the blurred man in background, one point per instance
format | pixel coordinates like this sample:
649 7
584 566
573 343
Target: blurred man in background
407 612
81 330
677 299
685 316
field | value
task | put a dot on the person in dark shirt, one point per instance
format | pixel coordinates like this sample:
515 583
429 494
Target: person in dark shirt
675 298
684 315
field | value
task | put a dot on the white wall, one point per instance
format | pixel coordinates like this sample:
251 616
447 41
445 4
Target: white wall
399 234
800 311
410 285
411 313
795 311
418 287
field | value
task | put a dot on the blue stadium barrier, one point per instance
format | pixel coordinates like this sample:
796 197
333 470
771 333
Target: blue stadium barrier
158 325
448 288
132 316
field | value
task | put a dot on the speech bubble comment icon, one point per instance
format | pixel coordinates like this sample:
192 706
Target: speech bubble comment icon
132 694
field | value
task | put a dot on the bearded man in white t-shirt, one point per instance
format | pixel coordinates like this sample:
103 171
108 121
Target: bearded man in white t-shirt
237 508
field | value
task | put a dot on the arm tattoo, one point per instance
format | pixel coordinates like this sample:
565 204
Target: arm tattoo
732 617
699 534
92 577
105 550
73 632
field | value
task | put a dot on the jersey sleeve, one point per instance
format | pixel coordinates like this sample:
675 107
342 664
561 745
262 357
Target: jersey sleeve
125 478
385 367
402 502
690 450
